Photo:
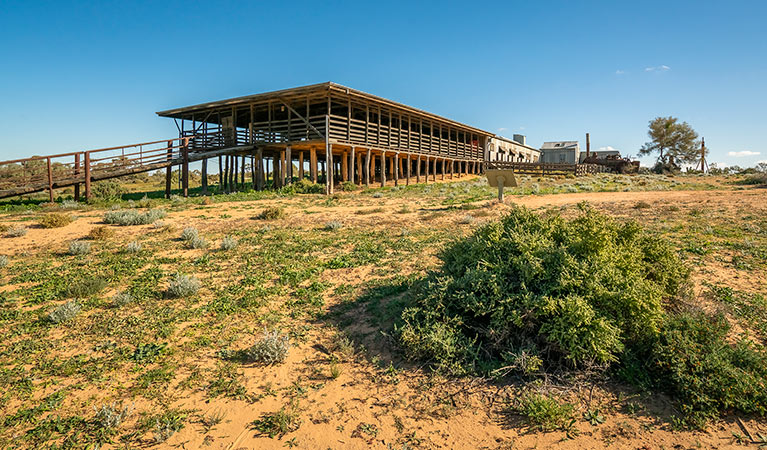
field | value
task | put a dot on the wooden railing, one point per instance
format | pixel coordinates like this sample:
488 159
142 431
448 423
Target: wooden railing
38 173
538 168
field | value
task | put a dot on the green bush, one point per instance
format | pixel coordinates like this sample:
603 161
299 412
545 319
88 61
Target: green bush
304 186
348 186
55 220
127 217
575 290
694 362
271 213
544 412
107 190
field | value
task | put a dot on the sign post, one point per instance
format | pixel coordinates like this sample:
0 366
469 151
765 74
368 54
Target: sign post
501 179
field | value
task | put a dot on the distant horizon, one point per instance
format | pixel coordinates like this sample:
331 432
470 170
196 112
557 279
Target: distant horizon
85 76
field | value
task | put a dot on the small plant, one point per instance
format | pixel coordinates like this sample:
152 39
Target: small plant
271 348
79 248
335 370
197 242
16 231
377 194
65 312
271 213
594 417
122 298
544 412
467 219
127 217
133 247
86 287
228 243
189 233
3 261
281 422
348 186
183 286
70 204
641 205
55 220
112 415
333 225
101 233
108 190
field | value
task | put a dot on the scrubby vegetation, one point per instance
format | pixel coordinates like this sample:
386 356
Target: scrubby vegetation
271 348
65 312
183 286
101 233
132 217
55 220
271 213
580 293
79 248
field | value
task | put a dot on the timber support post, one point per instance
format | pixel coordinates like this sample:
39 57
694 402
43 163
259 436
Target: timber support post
50 179
288 165
409 163
426 166
168 171
301 165
351 165
77 173
383 168
204 179
396 168
185 167
313 164
367 168
260 176
88 177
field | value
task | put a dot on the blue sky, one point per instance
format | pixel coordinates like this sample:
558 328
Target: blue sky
88 75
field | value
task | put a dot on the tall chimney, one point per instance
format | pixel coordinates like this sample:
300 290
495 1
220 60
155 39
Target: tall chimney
588 145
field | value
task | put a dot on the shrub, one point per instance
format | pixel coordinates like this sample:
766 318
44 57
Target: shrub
544 412
55 220
101 233
271 348
272 213
86 287
79 248
348 186
65 312
16 231
122 298
183 286
132 217
70 204
333 225
228 243
112 415
575 290
3 261
197 242
467 219
279 423
107 190
693 361
189 233
305 186
133 247
756 178
377 194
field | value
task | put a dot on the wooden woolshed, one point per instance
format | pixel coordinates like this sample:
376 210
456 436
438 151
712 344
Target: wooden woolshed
328 133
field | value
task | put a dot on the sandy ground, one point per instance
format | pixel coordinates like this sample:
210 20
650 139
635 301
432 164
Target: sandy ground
359 409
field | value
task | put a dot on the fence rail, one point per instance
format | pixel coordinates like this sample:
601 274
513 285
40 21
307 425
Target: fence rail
538 168
39 173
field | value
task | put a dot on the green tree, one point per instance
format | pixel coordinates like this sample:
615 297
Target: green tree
675 142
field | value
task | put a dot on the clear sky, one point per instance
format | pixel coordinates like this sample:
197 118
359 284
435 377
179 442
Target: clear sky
92 74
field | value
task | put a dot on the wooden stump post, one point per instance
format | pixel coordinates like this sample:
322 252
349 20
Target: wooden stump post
345 166
204 179
288 165
409 163
77 173
396 168
313 164
88 177
301 165
329 167
383 168
351 165
418 169
426 166
260 176
168 171
359 169
368 161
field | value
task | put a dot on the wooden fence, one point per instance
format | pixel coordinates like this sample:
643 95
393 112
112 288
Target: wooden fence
538 168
